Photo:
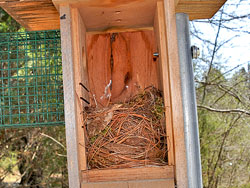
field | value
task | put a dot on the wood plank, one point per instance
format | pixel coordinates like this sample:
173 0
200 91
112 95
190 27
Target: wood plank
98 66
105 185
160 33
70 100
121 30
143 173
152 184
176 96
169 183
106 15
80 76
199 9
42 15
132 69
33 15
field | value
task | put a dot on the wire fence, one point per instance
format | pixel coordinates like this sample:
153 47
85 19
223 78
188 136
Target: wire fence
31 89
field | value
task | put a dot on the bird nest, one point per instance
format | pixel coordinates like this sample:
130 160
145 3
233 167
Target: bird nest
130 134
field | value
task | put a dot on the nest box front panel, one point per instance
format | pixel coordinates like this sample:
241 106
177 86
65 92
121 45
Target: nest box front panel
120 65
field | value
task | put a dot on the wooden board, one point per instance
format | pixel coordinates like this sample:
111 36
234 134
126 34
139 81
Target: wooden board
164 77
169 183
102 14
74 72
203 9
106 15
176 95
70 99
142 173
127 62
80 76
33 15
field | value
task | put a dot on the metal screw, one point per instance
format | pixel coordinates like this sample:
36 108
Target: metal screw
156 54
195 51
63 17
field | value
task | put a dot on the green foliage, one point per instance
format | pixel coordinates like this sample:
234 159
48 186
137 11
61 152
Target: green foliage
7 24
224 137
223 96
36 157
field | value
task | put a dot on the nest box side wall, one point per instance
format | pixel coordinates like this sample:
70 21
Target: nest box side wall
74 72
175 92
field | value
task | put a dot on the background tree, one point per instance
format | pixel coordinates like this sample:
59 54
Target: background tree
7 24
223 96
35 157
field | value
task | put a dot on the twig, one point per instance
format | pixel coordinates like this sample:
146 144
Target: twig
224 110
53 140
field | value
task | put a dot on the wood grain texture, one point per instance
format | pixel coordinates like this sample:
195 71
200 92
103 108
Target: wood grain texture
122 30
33 15
199 9
106 15
176 96
169 183
144 173
80 76
132 68
70 100
160 33
101 15
153 184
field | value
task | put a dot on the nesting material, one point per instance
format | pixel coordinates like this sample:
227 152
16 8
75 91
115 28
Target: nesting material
130 134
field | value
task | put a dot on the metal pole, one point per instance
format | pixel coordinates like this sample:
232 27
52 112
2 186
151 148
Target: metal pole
189 103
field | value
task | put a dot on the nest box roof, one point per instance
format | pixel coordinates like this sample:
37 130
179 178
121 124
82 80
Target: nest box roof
42 14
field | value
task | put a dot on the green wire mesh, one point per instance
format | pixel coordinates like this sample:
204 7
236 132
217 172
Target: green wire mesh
31 89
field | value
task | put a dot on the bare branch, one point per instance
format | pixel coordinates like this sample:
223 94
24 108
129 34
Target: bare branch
53 140
223 20
224 110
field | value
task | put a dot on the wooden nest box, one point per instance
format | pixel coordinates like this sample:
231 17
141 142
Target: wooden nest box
115 40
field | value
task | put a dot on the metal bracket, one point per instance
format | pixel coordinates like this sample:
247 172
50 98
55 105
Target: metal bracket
195 51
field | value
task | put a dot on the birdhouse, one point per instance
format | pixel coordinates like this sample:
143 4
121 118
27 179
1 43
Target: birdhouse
112 50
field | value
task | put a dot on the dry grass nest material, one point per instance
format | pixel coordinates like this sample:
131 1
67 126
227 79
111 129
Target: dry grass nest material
127 135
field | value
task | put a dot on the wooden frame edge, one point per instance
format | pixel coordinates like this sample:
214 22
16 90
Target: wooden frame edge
128 174
70 104
160 33
176 95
